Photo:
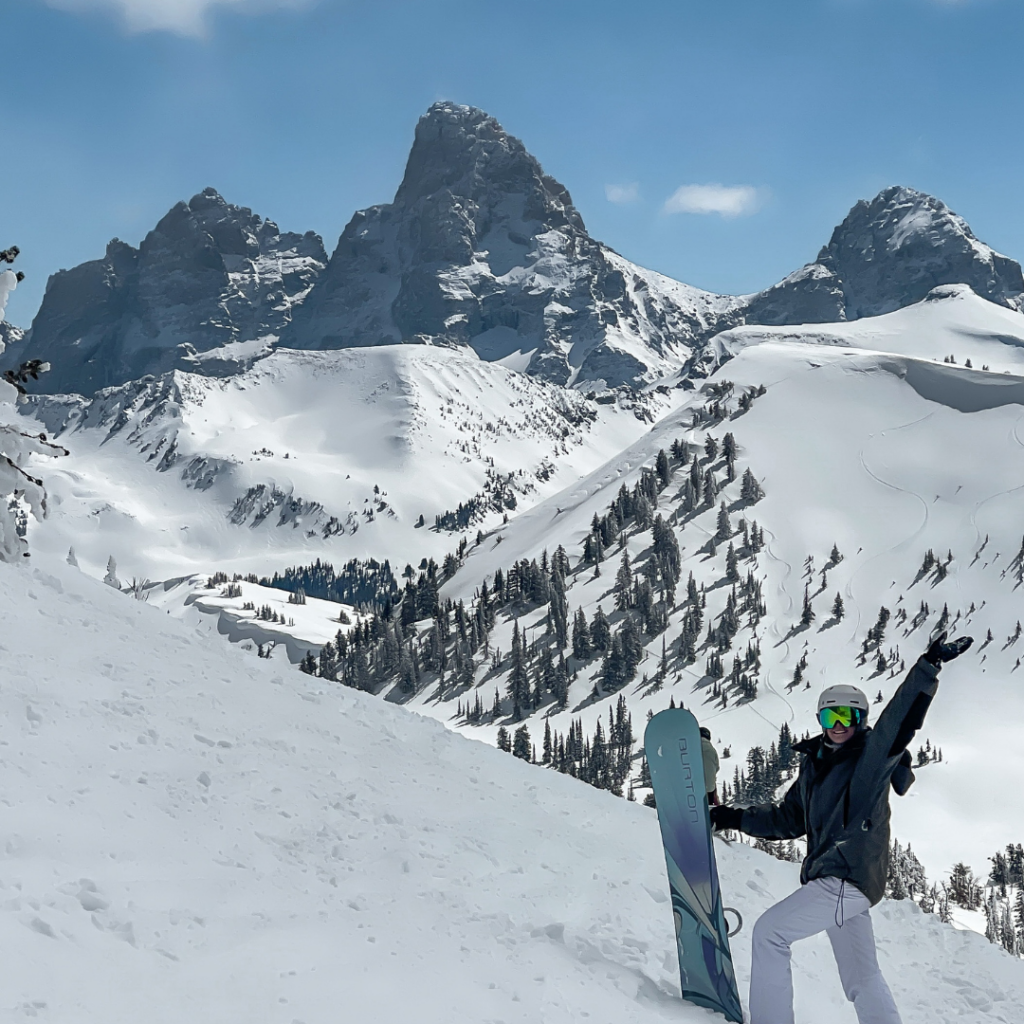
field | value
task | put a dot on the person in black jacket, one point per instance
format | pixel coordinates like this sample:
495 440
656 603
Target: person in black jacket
840 802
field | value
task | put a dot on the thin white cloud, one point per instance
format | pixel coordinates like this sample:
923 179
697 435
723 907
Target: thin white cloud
622 194
725 200
183 17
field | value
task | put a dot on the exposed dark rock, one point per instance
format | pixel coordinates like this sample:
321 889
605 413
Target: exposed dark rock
480 248
209 275
888 253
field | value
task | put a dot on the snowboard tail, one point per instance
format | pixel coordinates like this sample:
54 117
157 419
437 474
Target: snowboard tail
673 748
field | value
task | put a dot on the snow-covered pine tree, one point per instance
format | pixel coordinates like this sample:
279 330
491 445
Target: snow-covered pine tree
964 888
724 531
521 746
111 579
624 583
19 490
750 490
807 612
661 467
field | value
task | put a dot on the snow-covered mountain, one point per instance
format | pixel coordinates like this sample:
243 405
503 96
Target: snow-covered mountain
210 288
196 835
872 444
889 253
335 455
864 438
479 250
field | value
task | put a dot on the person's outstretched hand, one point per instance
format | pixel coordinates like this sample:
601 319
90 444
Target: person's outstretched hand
940 651
725 817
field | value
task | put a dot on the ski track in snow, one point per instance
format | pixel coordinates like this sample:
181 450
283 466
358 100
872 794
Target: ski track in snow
468 890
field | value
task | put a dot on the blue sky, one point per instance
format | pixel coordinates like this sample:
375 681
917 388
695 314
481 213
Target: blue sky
304 110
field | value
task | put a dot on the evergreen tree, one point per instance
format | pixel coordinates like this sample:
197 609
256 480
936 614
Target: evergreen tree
600 631
710 448
750 490
111 579
661 467
581 645
807 613
518 681
624 583
504 740
964 888
838 608
560 688
613 669
724 531
558 609
521 746
732 571
710 488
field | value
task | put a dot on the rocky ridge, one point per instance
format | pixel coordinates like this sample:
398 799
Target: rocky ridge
210 287
888 253
479 249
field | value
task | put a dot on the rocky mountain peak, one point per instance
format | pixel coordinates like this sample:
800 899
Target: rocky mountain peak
209 276
480 249
462 153
891 251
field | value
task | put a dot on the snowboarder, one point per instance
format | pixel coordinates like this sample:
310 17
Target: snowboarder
840 802
710 757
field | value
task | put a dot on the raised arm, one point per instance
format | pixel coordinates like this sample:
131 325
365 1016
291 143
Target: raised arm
905 713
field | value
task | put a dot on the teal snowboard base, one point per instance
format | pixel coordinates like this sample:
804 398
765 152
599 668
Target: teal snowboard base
673 749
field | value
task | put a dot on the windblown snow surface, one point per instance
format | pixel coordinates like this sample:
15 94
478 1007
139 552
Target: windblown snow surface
306 455
194 835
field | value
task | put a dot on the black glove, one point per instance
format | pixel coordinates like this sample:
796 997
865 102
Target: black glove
941 652
725 817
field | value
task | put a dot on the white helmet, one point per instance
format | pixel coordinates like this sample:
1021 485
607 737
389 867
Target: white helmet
844 695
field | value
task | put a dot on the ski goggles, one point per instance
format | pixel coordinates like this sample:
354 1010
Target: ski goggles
839 715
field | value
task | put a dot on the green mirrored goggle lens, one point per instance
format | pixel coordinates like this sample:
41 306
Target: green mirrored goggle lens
841 715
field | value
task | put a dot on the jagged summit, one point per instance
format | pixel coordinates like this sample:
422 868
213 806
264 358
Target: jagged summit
889 252
479 249
467 152
209 276
892 250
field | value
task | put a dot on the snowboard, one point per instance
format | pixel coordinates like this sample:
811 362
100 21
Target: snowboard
673 749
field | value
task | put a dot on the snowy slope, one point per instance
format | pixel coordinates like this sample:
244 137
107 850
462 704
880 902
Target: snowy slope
884 455
196 835
951 321
333 455
864 438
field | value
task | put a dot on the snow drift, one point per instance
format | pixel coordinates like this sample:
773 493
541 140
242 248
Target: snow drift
195 835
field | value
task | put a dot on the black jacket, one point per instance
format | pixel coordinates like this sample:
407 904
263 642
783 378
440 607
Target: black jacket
840 799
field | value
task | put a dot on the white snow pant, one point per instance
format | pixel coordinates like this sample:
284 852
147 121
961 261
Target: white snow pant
841 910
